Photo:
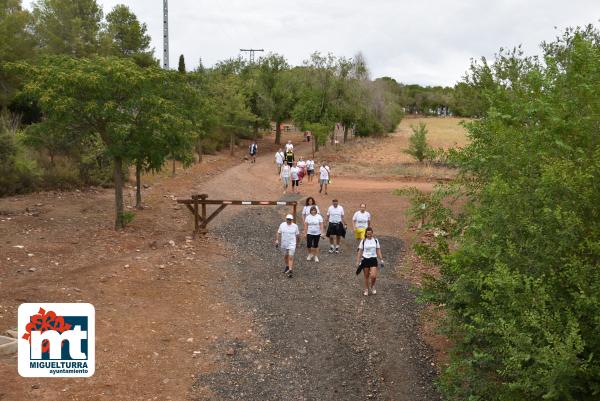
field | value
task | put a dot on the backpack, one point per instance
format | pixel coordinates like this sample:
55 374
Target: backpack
362 243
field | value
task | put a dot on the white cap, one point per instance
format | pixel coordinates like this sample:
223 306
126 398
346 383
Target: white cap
289 217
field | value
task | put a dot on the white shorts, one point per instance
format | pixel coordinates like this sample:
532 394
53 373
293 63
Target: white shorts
288 251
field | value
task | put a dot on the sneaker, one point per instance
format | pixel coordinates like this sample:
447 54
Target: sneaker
286 269
309 257
366 293
290 274
317 259
330 250
373 291
337 250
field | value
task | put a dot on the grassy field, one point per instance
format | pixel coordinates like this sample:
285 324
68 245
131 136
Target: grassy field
385 157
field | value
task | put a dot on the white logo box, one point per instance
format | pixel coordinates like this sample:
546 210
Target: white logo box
82 364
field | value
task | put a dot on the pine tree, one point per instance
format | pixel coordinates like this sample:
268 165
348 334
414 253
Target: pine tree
181 67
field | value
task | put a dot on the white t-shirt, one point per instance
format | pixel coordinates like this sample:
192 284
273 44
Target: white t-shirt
369 247
361 219
301 164
289 146
310 165
279 156
335 214
294 173
306 210
314 224
324 170
285 171
288 235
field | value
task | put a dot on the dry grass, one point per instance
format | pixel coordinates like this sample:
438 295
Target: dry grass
385 157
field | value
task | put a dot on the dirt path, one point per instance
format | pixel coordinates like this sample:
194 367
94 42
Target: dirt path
168 316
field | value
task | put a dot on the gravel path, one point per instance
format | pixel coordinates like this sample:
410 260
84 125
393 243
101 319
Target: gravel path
321 339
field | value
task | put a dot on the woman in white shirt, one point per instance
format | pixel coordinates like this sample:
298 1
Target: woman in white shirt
361 220
313 229
366 259
285 177
279 157
324 177
310 202
295 177
310 169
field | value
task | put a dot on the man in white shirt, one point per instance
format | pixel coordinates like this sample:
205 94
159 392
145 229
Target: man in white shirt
324 176
289 146
279 158
287 237
361 220
336 227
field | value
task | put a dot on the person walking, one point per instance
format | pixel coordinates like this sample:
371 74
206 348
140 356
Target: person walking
336 227
289 157
285 177
287 237
324 176
289 146
279 158
302 167
295 177
366 259
361 220
310 169
310 202
253 149
313 229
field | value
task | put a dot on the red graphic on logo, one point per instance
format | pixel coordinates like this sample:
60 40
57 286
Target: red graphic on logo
44 321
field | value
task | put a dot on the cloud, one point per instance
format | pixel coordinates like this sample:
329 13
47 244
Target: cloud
427 41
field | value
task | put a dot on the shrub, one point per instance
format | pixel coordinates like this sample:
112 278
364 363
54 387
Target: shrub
418 147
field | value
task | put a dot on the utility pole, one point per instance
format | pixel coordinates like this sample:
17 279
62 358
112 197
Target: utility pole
251 53
166 34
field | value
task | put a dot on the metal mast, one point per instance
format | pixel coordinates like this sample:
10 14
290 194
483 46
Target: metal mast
251 53
166 34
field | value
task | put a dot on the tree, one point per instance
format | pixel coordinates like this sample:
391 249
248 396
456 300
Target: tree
181 67
17 43
70 27
418 147
125 36
128 108
522 288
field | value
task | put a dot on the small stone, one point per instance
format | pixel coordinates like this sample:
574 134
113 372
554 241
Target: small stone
190 340
230 352
172 243
32 269
35 386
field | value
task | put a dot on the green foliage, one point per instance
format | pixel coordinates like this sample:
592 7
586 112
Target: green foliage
128 217
418 147
125 36
181 65
522 290
70 27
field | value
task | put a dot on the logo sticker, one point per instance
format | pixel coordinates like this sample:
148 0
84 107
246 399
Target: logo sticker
57 340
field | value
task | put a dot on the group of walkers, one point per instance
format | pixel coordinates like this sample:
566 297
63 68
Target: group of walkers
368 256
292 172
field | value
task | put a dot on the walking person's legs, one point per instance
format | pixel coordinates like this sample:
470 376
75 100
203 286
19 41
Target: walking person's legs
366 272
373 275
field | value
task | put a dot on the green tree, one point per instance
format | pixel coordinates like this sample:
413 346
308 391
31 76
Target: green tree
181 66
522 289
418 147
116 101
70 27
17 43
126 36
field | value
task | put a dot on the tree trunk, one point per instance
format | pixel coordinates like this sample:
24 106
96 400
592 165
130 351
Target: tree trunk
316 145
199 151
231 143
138 185
173 172
278 132
345 133
118 177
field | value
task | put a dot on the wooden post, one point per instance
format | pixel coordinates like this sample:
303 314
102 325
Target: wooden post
204 222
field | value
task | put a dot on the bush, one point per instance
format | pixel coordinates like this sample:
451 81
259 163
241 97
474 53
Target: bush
418 147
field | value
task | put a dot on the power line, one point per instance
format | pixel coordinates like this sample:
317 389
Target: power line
251 53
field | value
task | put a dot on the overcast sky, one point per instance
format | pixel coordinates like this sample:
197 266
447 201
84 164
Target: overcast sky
429 42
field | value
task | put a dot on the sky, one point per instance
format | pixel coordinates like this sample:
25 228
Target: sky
427 42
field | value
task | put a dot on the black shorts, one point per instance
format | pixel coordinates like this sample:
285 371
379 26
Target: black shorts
312 241
295 183
290 163
367 263
335 229
311 173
